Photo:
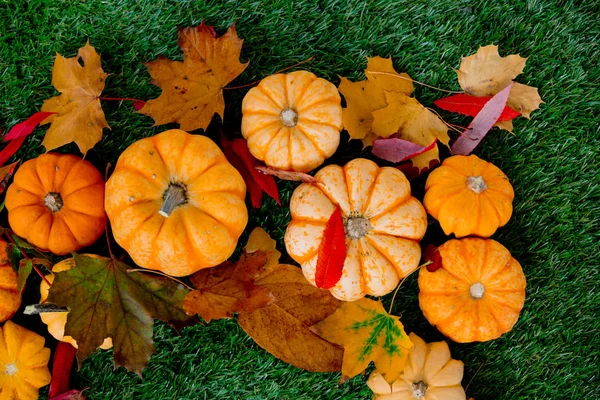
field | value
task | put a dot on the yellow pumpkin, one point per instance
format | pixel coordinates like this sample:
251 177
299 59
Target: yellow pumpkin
10 301
469 196
430 374
292 121
478 292
175 203
23 363
56 202
56 321
383 225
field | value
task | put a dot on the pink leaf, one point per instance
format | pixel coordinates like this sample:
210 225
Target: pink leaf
470 105
397 150
23 129
482 123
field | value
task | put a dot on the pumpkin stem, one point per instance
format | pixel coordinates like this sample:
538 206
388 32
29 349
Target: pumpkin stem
477 290
11 369
289 117
53 201
357 227
419 390
476 184
175 195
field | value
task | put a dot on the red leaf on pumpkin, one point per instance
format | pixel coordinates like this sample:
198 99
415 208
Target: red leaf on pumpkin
397 150
287 175
64 355
332 252
431 253
482 123
470 105
266 182
256 193
23 129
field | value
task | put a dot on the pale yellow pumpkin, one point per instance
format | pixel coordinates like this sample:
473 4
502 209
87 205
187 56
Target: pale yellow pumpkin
431 374
56 321
292 121
383 225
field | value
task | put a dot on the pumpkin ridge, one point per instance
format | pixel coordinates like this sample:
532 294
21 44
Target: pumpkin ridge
268 144
384 254
301 130
197 175
67 195
251 133
312 121
136 171
498 301
370 192
300 96
453 313
209 214
268 96
64 221
361 279
132 232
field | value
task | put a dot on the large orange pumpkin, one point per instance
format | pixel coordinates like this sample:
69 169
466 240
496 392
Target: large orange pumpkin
292 121
9 293
23 363
56 202
469 196
175 203
56 321
478 293
383 225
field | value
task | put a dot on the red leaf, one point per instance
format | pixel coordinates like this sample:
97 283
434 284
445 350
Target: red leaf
62 364
6 173
256 193
287 175
413 172
23 129
470 105
138 104
482 123
266 182
71 395
397 150
431 253
11 148
332 252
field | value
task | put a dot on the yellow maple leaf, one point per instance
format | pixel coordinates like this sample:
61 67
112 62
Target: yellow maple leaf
407 119
367 334
485 73
80 118
192 89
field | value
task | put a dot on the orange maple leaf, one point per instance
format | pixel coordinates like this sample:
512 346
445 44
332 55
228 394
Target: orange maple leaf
192 89
79 117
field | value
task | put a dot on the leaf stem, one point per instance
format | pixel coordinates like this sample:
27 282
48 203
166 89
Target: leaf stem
309 59
161 274
37 270
412 80
402 281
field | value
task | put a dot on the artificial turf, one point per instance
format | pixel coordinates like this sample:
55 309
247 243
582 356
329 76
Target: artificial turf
552 161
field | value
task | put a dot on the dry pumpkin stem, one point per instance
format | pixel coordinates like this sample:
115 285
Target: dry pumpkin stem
309 59
53 201
175 196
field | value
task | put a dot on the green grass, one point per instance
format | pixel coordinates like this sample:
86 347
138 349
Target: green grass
552 161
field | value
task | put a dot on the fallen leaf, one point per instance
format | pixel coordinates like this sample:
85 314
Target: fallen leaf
287 175
192 89
266 182
332 252
482 123
62 364
10 149
368 334
407 119
79 117
432 255
283 327
255 191
398 150
6 174
24 129
105 300
411 172
470 105
25 268
71 395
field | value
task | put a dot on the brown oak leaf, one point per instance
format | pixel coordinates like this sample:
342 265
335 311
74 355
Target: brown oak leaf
192 89
79 117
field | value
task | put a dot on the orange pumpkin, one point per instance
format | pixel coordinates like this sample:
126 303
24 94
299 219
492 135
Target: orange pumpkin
478 293
23 363
56 202
56 321
383 225
175 203
430 374
469 196
292 121
9 293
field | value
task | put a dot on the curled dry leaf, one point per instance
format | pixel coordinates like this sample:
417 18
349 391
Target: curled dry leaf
432 256
287 175
79 117
192 89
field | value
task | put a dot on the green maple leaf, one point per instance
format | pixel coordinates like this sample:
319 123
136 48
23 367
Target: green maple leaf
367 334
106 300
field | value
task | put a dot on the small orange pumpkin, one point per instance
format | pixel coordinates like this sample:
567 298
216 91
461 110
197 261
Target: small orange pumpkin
56 202
383 225
56 321
292 121
175 203
469 196
23 363
9 293
430 374
478 293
